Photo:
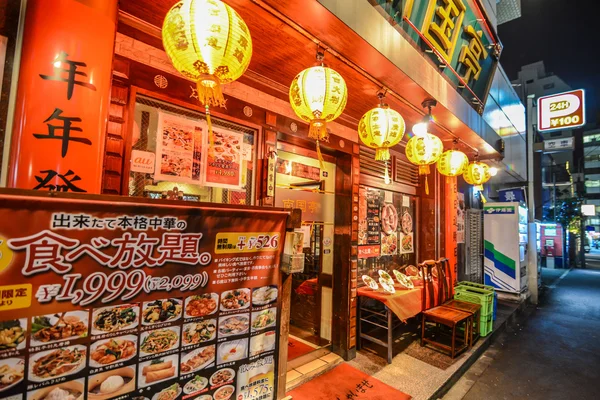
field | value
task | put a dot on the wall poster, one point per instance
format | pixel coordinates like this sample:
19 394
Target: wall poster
223 161
105 300
178 149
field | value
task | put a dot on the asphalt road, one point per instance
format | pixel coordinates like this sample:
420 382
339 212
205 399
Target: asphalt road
555 354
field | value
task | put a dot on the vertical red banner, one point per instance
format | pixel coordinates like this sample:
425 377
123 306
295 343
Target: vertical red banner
451 204
63 95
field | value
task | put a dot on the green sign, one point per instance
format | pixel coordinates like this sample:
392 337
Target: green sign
456 36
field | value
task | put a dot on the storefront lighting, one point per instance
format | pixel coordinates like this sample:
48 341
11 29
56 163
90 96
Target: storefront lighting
424 151
476 174
381 128
422 128
493 171
318 95
208 43
452 163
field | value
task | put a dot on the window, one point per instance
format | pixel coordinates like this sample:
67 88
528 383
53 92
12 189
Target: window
591 138
592 183
180 166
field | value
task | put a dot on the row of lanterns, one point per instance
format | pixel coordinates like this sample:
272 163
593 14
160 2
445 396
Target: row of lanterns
210 44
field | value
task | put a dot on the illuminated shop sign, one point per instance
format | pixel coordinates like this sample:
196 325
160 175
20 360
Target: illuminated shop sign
561 111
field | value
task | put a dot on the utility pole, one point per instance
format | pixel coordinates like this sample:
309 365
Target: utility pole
532 261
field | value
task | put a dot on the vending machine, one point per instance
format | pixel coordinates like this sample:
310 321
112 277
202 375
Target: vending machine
505 246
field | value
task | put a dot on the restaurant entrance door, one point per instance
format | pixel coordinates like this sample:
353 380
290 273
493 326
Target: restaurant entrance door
303 184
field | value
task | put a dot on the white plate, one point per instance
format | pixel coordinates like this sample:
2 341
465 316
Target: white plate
213 296
404 280
223 388
211 380
223 320
189 389
224 350
134 324
256 314
243 290
386 277
272 295
388 288
155 397
33 358
147 303
204 397
191 324
370 282
191 355
144 335
23 325
94 346
16 363
82 315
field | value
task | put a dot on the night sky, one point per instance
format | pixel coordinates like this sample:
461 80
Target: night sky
565 35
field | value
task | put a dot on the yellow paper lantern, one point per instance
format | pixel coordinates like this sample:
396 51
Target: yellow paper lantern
208 43
477 173
318 95
424 151
452 163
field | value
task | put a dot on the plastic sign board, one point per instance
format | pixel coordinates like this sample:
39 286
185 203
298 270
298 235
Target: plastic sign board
589 210
561 111
555 145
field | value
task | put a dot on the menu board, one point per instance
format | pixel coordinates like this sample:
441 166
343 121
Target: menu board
110 300
223 160
178 149
373 216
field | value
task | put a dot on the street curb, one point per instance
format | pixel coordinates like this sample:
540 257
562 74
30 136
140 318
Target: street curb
451 381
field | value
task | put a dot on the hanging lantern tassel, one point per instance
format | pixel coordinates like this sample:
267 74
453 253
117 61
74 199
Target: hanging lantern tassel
318 131
424 170
209 91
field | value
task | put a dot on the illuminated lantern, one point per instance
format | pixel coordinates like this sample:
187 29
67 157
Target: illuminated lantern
477 173
208 43
424 151
318 95
381 129
452 163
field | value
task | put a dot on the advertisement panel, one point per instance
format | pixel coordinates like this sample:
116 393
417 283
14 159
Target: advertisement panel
561 111
106 300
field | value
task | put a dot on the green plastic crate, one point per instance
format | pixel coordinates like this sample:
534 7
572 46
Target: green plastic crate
475 285
484 298
486 325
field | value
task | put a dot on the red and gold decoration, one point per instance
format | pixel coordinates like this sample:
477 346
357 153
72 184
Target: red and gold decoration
477 173
208 43
381 128
424 151
318 95
452 163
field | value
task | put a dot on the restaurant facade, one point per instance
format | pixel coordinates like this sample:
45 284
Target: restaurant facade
94 112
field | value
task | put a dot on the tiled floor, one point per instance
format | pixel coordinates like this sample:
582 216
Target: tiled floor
311 369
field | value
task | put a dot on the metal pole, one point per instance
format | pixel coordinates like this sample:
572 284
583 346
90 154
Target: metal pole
532 271
554 188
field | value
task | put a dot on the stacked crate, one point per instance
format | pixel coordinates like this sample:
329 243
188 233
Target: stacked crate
482 295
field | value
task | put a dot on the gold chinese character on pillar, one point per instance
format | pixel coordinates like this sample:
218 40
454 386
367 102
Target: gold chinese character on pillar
471 55
443 24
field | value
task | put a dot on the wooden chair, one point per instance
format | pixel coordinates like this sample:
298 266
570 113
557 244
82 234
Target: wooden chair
442 310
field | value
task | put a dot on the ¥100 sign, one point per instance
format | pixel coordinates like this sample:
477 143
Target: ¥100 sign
561 111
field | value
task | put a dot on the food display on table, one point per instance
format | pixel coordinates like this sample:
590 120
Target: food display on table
385 284
234 325
157 370
161 311
110 351
411 271
383 275
264 319
370 282
71 390
222 376
407 222
199 332
198 359
403 280
232 351
224 393
201 305
13 334
12 371
111 384
389 219
237 299
197 384
264 295
159 340
170 393
56 363
117 318
50 328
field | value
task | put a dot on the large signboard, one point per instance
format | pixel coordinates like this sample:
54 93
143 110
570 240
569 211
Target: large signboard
105 300
457 35
561 111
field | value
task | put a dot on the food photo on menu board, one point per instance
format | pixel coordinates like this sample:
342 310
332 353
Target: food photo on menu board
172 323
223 161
